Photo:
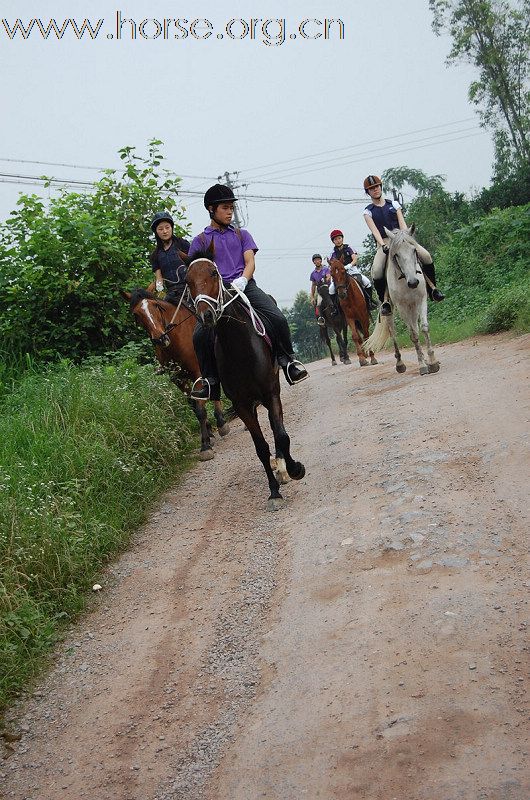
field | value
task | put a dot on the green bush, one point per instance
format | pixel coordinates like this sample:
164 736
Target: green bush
83 452
62 264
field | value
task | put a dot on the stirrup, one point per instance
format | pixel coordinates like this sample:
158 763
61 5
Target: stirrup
301 367
204 392
321 321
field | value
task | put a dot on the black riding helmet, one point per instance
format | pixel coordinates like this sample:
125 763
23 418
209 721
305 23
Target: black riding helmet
218 194
317 255
161 216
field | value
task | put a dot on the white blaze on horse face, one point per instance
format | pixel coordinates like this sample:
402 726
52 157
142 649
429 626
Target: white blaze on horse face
145 309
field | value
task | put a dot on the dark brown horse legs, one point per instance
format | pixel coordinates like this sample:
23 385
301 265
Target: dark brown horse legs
199 408
250 419
295 469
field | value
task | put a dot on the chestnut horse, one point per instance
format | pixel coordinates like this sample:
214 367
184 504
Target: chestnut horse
353 305
247 367
171 332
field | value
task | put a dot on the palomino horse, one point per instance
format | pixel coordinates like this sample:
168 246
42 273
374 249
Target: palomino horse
171 332
337 323
247 368
407 291
353 304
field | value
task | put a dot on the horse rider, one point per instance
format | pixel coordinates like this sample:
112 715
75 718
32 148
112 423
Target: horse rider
350 256
234 251
382 213
320 275
168 266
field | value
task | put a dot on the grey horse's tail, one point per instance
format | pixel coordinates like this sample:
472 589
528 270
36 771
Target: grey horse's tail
379 337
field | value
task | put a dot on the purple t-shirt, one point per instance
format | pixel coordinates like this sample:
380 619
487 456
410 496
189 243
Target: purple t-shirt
229 246
319 275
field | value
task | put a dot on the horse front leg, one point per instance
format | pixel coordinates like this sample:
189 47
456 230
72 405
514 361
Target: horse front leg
342 341
282 442
222 425
433 364
250 419
361 355
415 336
328 342
199 409
400 365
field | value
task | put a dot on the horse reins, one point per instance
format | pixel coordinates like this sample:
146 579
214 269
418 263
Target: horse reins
217 304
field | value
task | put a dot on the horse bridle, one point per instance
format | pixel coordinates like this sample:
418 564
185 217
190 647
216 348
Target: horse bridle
398 265
217 304
163 340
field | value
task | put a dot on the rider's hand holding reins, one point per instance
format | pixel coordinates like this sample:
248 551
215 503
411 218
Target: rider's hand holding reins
240 283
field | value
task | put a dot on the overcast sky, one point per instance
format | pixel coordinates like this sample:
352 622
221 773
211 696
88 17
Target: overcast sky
318 111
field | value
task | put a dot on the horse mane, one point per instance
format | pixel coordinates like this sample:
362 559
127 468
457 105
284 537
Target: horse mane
200 254
140 294
400 237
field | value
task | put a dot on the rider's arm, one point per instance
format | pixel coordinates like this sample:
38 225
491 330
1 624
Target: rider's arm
250 264
371 224
313 291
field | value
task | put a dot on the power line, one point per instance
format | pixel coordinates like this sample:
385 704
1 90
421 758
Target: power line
86 166
361 144
345 161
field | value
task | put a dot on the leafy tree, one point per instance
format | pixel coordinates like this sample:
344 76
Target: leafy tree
425 185
494 35
304 330
61 265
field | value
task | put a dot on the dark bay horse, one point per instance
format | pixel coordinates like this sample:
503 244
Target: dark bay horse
337 323
171 333
247 368
353 304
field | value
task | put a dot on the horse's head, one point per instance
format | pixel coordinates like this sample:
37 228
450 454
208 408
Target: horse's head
403 257
206 286
340 278
150 313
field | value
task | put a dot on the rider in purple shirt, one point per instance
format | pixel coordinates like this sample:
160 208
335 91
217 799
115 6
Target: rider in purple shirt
234 251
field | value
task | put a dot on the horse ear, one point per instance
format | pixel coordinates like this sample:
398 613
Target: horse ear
389 233
184 256
126 295
341 259
211 249
412 229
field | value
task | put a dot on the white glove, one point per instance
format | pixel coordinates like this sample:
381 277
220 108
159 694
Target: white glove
160 286
240 283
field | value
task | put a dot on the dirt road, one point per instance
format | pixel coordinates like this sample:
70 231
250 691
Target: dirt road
366 641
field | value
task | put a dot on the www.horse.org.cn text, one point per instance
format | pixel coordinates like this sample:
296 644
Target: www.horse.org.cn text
271 32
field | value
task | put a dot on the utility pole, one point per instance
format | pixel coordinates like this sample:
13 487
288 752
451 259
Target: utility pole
228 182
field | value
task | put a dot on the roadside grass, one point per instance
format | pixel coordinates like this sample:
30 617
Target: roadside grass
84 450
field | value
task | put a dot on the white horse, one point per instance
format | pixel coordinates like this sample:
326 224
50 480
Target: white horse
408 293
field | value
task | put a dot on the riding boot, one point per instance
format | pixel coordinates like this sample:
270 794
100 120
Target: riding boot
294 370
434 294
380 288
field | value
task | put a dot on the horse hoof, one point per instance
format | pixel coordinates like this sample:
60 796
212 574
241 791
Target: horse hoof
225 430
274 503
363 362
206 455
374 361
424 370
298 471
333 363
346 361
401 367
434 367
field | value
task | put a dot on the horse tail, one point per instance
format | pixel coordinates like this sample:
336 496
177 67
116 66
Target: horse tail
379 337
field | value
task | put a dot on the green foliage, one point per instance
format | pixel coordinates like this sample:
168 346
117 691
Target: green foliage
484 271
425 185
437 216
512 189
304 330
494 36
83 451
62 265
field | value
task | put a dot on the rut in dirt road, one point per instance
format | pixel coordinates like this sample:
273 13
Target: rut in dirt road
366 641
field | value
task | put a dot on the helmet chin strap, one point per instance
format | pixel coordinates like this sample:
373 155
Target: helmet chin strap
217 222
